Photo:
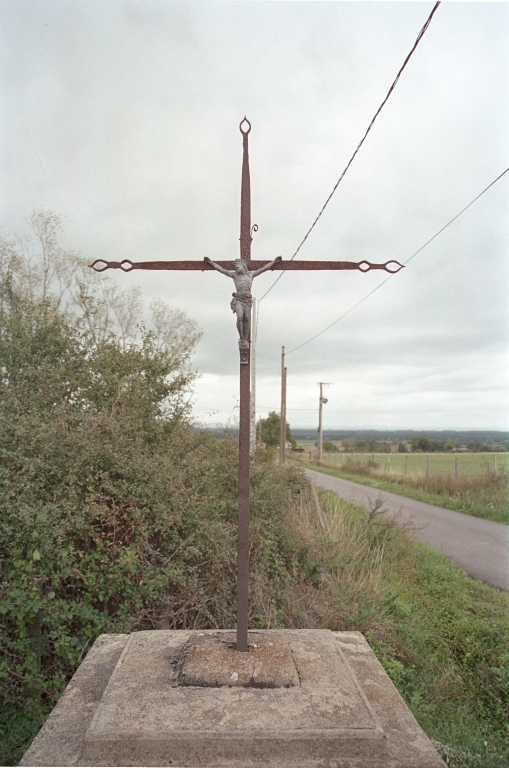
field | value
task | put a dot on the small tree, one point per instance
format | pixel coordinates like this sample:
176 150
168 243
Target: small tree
421 444
270 428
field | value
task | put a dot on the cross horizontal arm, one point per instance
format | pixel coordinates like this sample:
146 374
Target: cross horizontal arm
363 266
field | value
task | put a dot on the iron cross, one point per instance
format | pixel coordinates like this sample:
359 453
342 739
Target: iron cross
243 271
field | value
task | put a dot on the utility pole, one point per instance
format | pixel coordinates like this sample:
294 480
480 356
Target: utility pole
252 432
323 400
282 420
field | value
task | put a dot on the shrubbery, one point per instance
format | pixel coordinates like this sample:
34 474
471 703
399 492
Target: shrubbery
116 513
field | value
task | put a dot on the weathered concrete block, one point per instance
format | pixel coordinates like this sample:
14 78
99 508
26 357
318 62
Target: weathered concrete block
182 698
210 659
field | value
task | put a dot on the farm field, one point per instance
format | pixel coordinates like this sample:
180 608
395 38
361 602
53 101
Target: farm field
439 463
480 487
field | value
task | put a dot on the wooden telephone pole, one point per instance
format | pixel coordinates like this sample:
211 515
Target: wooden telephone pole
282 421
323 400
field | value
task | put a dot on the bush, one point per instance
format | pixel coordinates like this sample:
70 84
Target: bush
115 513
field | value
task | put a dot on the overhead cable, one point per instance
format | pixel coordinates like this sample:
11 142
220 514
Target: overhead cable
419 37
405 262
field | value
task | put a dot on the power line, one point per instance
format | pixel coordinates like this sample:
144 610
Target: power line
405 262
269 408
419 37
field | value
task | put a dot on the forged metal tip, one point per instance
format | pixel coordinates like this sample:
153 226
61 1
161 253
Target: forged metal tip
244 120
99 269
112 265
391 270
365 266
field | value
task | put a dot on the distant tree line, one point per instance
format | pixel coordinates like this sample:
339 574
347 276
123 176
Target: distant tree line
492 439
417 444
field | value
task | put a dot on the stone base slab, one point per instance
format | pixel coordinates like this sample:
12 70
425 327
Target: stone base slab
211 660
127 706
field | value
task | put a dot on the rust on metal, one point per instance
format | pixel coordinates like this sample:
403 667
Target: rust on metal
244 507
363 266
243 510
245 196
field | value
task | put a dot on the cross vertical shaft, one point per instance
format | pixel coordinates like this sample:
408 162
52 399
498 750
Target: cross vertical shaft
245 198
244 417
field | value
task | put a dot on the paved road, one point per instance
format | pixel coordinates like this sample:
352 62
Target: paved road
480 547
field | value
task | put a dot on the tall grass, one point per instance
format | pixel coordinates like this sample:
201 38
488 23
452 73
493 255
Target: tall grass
441 636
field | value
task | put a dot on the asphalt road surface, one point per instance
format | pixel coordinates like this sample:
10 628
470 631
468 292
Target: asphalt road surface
480 547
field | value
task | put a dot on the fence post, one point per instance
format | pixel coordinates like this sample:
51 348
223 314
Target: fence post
427 466
406 465
495 465
388 462
373 458
456 473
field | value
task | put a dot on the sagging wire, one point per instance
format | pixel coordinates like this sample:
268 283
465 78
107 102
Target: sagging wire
405 262
418 39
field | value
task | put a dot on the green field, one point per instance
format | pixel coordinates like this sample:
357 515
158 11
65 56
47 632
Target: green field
416 463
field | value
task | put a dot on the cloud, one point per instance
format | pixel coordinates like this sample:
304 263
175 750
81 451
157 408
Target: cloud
123 117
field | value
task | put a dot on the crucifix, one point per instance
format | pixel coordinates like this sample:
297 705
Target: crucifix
242 271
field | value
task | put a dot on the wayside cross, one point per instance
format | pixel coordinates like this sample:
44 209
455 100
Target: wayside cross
243 271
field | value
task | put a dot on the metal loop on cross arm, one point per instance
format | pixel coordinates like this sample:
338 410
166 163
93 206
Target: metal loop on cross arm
99 269
365 266
254 228
244 120
112 265
393 271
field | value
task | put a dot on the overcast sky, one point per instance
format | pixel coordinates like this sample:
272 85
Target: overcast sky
123 118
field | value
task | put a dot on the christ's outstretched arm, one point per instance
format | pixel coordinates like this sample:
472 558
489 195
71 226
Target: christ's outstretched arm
227 272
267 266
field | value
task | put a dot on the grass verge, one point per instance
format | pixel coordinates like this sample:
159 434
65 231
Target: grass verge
485 495
440 636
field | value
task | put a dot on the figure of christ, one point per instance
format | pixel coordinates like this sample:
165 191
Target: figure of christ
242 299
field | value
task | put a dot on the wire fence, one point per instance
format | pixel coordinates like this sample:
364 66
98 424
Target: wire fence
418 464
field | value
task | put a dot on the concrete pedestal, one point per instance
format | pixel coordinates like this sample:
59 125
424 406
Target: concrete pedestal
182 698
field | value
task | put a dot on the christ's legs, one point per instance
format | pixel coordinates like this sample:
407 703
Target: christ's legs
240 319
247 322
243 320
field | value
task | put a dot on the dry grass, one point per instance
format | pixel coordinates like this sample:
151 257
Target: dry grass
440 636
345 560
484 494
